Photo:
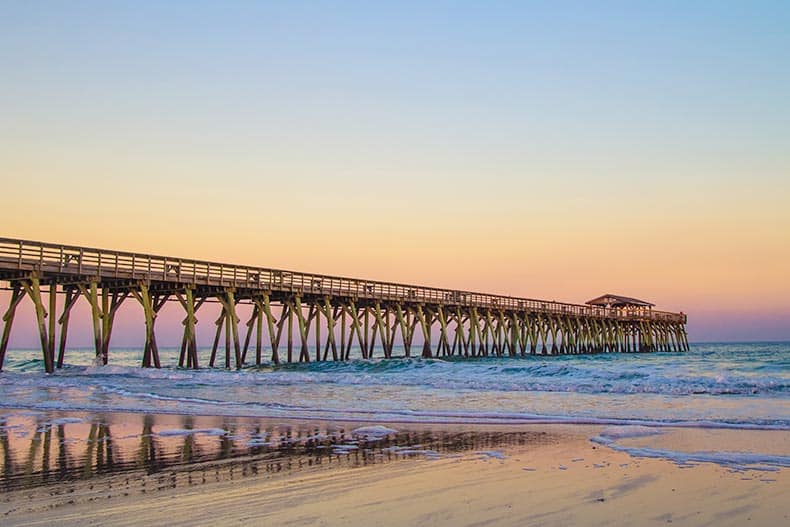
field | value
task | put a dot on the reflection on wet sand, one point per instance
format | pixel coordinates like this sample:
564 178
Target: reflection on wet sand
57 449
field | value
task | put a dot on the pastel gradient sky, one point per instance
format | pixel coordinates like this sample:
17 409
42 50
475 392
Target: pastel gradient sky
547 149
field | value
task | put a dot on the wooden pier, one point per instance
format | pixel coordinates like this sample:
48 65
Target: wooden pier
308 317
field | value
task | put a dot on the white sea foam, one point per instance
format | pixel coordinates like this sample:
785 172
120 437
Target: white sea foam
740 460
344 449
736 460
257 442
373 432
417 452
66 420
496 454
621 432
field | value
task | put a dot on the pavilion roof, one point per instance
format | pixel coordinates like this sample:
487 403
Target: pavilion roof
618 301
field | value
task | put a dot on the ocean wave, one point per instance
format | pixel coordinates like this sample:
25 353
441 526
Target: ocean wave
540 378
720 384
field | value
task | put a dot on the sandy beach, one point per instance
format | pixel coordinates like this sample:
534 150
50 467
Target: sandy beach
421 475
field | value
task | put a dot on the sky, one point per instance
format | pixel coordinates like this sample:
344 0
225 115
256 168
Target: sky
556 150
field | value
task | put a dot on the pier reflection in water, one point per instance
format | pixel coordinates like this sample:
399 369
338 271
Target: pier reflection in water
40 448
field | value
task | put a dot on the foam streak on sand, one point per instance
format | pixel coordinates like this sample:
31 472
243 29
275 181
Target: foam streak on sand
737 460
374 432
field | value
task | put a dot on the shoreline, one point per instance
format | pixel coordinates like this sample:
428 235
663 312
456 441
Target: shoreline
136 470
437 419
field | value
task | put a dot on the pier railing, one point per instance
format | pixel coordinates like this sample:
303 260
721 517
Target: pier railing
25 255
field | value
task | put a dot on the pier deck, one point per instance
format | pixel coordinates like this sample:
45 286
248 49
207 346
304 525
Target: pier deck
319 316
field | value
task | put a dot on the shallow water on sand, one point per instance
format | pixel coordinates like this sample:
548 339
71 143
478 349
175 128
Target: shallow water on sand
46 447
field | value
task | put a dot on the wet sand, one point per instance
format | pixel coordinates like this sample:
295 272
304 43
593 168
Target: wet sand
323 474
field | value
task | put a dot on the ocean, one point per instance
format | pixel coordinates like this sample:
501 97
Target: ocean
743 385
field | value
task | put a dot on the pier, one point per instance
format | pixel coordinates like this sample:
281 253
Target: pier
305 317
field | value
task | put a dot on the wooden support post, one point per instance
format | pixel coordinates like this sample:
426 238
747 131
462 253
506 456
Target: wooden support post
343 353
349 325
487 330
515 335
270 321
389 332
502 331
534 334
71 297
356 327
379 323
33 290
157 302
251 323
373 335
192 328
474 332
672 337
331 316
499 346
521 328
461 328
458 339
259 334
444 347
105 321
556 335
455 346
426 332
543 334
404 328
189 341
183 353
413 321
110 305
91 294
220 322
53 309
311 314
290 332
233 320
317 326
366 341
284 308
17 294
228 334
304 354
143 296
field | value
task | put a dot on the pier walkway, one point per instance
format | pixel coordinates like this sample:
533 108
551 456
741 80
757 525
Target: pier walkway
304 317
